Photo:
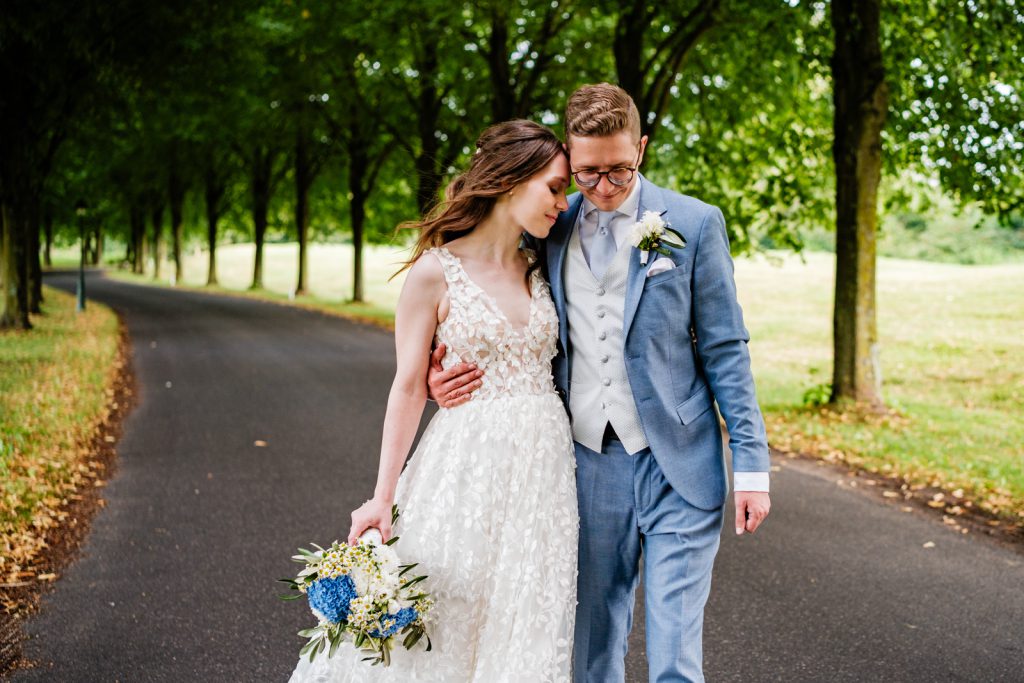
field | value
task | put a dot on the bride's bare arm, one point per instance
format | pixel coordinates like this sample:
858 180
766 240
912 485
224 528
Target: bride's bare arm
415 324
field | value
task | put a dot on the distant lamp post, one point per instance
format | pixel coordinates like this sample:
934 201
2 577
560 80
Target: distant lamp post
80 211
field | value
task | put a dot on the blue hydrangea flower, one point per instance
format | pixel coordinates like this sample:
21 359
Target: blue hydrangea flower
330 598
396 622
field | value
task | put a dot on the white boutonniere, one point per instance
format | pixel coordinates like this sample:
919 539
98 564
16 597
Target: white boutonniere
648 235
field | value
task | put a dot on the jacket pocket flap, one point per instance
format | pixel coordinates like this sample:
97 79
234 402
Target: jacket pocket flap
695 406
665 275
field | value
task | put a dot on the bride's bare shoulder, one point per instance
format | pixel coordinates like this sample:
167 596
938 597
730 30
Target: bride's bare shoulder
426 272
425 287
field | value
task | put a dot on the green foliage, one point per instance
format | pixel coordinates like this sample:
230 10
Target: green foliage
391 100
749 125
933 228
956 74
818 394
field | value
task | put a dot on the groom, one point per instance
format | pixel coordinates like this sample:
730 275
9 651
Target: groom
646 351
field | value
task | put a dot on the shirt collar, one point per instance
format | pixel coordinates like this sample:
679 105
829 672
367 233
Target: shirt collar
626 208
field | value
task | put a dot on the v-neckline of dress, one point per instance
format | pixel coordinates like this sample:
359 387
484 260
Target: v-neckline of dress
494 302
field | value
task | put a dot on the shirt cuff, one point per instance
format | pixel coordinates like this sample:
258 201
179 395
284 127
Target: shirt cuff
750 481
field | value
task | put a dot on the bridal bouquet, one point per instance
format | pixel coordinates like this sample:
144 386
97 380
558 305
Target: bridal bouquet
361 592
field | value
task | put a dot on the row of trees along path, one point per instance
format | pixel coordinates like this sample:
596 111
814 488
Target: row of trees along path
324 118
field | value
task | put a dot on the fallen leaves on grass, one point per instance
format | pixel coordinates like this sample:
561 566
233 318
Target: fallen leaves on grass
815 432
55 416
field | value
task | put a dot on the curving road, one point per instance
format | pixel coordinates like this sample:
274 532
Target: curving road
176 580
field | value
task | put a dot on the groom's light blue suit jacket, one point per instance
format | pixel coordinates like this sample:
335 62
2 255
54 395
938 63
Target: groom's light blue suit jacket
685 348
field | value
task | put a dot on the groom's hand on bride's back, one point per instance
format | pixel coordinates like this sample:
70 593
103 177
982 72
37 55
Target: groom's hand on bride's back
454 386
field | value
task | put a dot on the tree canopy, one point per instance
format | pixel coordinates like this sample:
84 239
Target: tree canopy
334 120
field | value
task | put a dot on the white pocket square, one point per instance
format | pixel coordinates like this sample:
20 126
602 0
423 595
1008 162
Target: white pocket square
660 266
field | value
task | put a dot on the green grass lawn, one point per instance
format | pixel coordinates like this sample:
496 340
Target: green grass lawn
330 270
330 277
952 337
55 385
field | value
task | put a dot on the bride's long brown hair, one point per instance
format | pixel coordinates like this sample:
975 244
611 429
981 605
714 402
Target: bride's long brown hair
506 155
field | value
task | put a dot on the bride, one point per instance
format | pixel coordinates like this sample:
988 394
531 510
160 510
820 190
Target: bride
488 500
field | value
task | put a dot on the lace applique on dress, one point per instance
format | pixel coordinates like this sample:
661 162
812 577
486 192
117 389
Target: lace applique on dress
514 361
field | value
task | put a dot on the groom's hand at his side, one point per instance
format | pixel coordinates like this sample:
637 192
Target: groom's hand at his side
751 509
453 386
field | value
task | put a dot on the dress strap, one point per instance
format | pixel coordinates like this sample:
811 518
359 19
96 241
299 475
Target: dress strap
454 275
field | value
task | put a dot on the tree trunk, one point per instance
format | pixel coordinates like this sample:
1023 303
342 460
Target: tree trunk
216 186
430 163
303 180
860 96
13 301
157 221
33 268
261 172
628 48
137 222
211 235
48 232
97 252
211 241
430 176
176 199
8 304
503 95
429 171
88 255
357 211
358 168
649 81
129 257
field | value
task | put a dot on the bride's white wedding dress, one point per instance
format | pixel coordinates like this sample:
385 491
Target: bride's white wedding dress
488 509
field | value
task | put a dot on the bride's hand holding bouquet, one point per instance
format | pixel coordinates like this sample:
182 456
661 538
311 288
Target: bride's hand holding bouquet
373 514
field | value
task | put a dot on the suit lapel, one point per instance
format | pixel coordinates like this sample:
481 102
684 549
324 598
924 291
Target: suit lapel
558 247
650 200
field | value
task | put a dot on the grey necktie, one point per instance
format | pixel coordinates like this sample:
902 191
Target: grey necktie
602 247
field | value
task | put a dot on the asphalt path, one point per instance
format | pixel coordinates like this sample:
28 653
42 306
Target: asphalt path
176 581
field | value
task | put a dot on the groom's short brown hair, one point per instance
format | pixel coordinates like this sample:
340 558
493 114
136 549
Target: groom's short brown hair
599 110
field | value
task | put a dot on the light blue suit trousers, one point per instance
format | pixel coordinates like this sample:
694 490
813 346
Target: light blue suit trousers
628 507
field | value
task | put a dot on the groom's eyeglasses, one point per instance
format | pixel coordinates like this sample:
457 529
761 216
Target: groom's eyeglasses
618 176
